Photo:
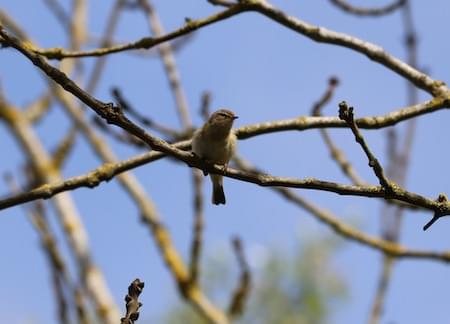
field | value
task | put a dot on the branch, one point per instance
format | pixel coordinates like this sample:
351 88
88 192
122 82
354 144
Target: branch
90 276
374 12
168 59
105 41
371 122
383 283
58 11
387 247
346 113
38 109
199 219
113 115
118 135
241 292
372 51
336 153
64 148
143 43
125 105
132 302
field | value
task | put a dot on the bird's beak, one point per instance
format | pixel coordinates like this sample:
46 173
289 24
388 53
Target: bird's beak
235 117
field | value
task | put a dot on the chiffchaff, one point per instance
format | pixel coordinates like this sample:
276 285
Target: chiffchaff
215 142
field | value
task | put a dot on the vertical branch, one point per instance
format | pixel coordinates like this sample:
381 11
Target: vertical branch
240 294
105 42
78 24
60 274
398 165
91 277
150 216
168 59
335 152
196 245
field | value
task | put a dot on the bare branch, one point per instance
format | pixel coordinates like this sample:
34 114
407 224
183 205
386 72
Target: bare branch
336 153
240 294
373 12
385 246
143 43
372 51
125 105
38 109
58 11
8 22
199 223
372 122
100 63
165 51
132 302
90 276
223 3
115 116
382 287
64 148
346 113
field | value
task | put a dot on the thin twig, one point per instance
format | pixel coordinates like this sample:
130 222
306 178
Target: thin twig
58 11
108 34
64 148
372 51
205 105
373 12
346 113
35 111
199 219
170 67
199 223
337 154
119 135
241 292
59 53
125 105
382 288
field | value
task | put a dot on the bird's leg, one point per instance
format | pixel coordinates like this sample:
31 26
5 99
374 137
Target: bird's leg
205 173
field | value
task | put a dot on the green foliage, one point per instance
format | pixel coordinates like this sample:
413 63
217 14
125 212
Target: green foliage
289 287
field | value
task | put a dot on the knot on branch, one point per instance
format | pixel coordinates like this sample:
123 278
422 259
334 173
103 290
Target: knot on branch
111 113
346 112
132 302
442 210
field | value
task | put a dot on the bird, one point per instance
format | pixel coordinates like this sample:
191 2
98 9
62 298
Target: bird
215 142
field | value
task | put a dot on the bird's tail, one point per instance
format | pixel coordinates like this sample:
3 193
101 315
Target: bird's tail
218 195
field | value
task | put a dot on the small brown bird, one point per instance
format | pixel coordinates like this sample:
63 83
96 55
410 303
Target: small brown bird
215 142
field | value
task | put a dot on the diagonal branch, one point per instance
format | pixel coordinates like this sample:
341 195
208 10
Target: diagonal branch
387 247
346 113
144 43
335 152
113 115
372 51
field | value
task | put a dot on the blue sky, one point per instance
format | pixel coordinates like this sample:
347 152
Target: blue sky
263 72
